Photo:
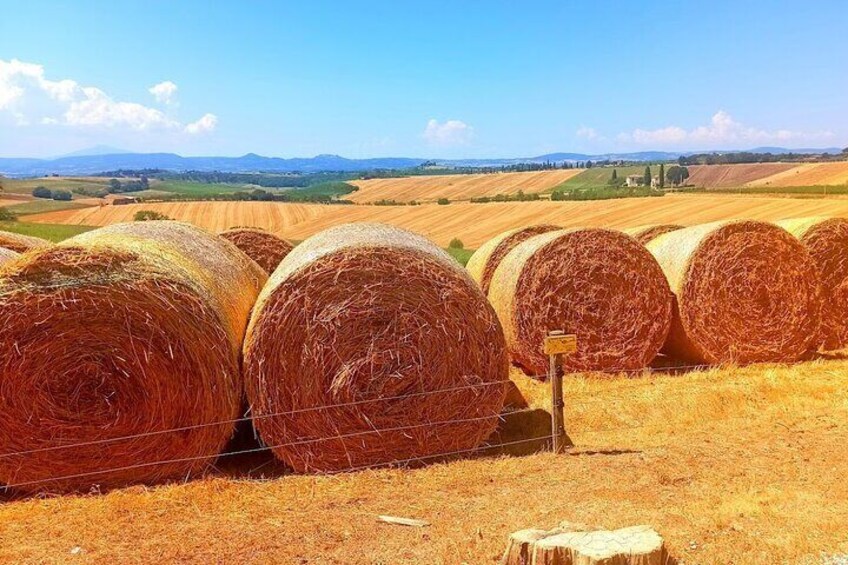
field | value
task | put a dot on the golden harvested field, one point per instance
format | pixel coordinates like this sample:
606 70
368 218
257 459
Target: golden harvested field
215 216
729 465
733 176
473 223
457 187
808 174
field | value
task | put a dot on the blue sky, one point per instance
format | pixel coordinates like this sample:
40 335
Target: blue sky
434 79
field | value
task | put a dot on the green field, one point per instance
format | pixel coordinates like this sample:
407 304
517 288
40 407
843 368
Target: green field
196 189
25 186
51 232
43 205
333 189
599 177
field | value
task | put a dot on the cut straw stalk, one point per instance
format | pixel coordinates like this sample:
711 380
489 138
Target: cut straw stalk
746 292
262 246
827 241
488 256
123 331
375 316
599 284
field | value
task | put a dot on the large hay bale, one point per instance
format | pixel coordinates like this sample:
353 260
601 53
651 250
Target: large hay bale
21 243
262 246
599 284
644 234
371 321
746 292
112 339
827 241
488 256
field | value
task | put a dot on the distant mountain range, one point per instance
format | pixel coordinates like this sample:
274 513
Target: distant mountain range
100 159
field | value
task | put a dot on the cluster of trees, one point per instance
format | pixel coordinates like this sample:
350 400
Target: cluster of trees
46 193
676 175
118 187
749 157
147 215
602 193
393 202
282 196
264 180
519 196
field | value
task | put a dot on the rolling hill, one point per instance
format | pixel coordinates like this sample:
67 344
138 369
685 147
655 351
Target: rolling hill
457 187
472 223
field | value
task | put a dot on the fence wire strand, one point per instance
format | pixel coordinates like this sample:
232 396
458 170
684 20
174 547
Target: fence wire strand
299 442
249 418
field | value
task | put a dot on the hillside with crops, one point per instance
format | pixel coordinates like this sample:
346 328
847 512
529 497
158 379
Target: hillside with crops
472 223
458 187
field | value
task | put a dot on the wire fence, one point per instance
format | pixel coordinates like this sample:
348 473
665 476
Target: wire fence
335 437
288 444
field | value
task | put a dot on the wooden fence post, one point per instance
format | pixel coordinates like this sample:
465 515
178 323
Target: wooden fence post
558 344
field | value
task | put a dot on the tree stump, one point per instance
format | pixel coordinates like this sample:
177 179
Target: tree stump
519 550
571 545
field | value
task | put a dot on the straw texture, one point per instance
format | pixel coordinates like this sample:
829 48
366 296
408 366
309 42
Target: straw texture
365 313
130 329
21 243
746 292
6 255
599 284
827 241
488 256
262 246
644 234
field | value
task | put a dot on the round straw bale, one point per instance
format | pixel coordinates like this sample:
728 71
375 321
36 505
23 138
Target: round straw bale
644 234
746 292
370 345
262 246
827 241
21 243
6 255
488 256
599 284
113 339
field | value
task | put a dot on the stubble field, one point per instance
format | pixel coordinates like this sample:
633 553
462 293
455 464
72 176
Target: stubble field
473 223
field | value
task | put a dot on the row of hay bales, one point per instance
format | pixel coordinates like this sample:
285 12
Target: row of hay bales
128 354
726 292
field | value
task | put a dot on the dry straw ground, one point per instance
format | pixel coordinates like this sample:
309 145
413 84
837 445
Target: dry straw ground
473 223
729 465
807 174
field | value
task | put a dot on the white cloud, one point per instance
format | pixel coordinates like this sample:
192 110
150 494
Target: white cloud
163 92
584 132
722 132
28 97
451 132
204 124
